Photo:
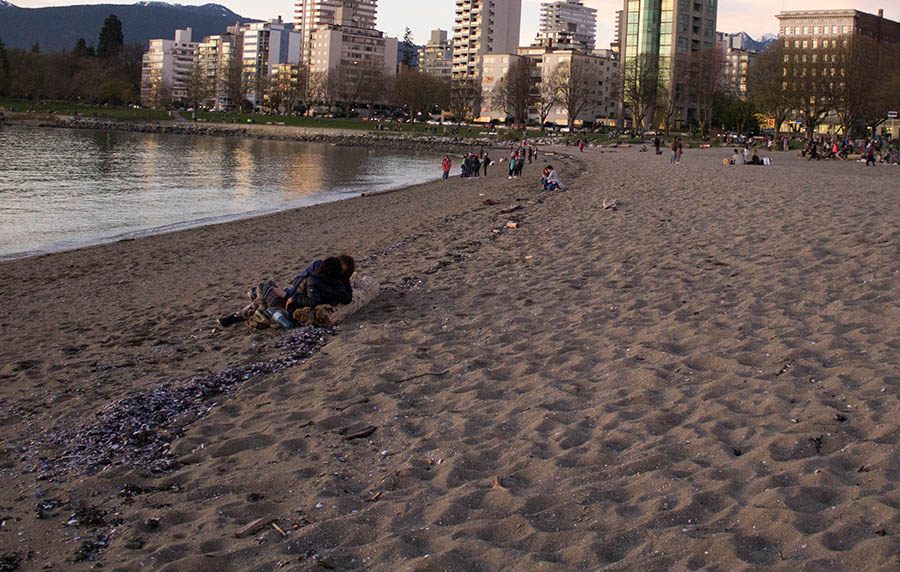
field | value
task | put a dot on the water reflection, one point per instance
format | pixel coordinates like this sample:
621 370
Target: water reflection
63 188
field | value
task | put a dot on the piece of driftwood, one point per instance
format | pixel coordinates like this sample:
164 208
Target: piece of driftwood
365 290
254 527
435 373
361 434
610 204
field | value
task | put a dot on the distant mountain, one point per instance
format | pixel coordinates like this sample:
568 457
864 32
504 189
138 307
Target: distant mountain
748 43
60 27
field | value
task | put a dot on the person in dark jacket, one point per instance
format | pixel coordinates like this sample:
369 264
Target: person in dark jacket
322 282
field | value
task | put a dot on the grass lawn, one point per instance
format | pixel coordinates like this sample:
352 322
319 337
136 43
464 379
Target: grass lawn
85 109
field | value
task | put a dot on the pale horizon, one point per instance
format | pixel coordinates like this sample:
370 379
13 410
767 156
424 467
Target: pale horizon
755 17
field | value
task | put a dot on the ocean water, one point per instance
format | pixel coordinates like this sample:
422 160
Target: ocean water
62 189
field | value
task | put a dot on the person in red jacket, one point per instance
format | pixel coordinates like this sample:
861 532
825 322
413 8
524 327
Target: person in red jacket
446 165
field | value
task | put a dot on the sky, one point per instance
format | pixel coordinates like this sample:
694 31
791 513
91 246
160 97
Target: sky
756 17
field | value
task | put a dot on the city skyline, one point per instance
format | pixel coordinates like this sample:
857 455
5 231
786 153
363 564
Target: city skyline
395 15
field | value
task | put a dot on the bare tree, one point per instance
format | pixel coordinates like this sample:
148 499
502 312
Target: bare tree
234 82
198 87
352 83
640 88
417 92
768 89
514 92
576 87
465 97
705 71
547 99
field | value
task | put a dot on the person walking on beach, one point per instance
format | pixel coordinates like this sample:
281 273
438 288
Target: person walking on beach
679 151
512 164
656 143
520 164
476 165
446 165
674 148
581 146
485 161
870 153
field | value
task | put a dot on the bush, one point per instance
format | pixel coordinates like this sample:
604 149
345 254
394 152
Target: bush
115 92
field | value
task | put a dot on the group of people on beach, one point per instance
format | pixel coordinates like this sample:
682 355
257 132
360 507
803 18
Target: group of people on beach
322 282
476 164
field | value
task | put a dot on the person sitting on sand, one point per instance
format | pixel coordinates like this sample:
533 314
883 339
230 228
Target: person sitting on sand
755 160
322 282
551 180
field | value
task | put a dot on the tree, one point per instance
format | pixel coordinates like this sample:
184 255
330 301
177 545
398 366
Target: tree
81 49
546 99
288 88
575 83
705 67
465 97
408 49
418 92
112 40
768 89
514 92
115 92
640 88
36 48
4 70
234 83
198 87
352 84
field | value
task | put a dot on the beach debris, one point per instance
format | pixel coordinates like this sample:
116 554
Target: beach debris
610 204
278 528
497 485
488 202
436 374
817 443
152 523
254 527
139 429
529 257
511 209
375 497
511 224
361 434
90 547
10 561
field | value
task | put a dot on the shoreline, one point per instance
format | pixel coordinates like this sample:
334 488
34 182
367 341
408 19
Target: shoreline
337 137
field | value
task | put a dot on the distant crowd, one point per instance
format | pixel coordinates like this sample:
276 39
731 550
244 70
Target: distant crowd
476 165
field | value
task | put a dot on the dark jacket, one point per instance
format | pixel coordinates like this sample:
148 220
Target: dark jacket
318 289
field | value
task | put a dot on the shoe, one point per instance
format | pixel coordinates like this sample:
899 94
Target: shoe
228 320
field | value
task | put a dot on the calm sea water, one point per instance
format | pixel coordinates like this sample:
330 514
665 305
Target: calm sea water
62 189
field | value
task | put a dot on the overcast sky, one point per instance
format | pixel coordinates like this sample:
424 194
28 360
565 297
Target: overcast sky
756 17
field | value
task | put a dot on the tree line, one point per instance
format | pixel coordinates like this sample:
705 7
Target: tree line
108 73
854 79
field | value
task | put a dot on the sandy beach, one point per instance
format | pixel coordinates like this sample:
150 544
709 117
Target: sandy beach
705 378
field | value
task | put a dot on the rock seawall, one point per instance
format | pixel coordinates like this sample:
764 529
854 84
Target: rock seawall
356 138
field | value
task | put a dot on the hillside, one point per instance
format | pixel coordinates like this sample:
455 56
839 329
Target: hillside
60 27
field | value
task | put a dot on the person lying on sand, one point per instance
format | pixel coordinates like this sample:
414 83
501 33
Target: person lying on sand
322 282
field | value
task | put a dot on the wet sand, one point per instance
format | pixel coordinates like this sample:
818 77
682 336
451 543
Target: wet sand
705 378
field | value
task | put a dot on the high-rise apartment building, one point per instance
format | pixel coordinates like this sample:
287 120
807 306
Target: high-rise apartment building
483 27
266 45
215 56
167 68
666 33
436 57
312 15
342 43
567 25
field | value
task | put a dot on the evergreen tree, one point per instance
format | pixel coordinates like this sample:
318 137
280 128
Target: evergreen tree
112 40
409 53
81 49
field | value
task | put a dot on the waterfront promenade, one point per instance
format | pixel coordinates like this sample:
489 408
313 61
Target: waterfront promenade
703 378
